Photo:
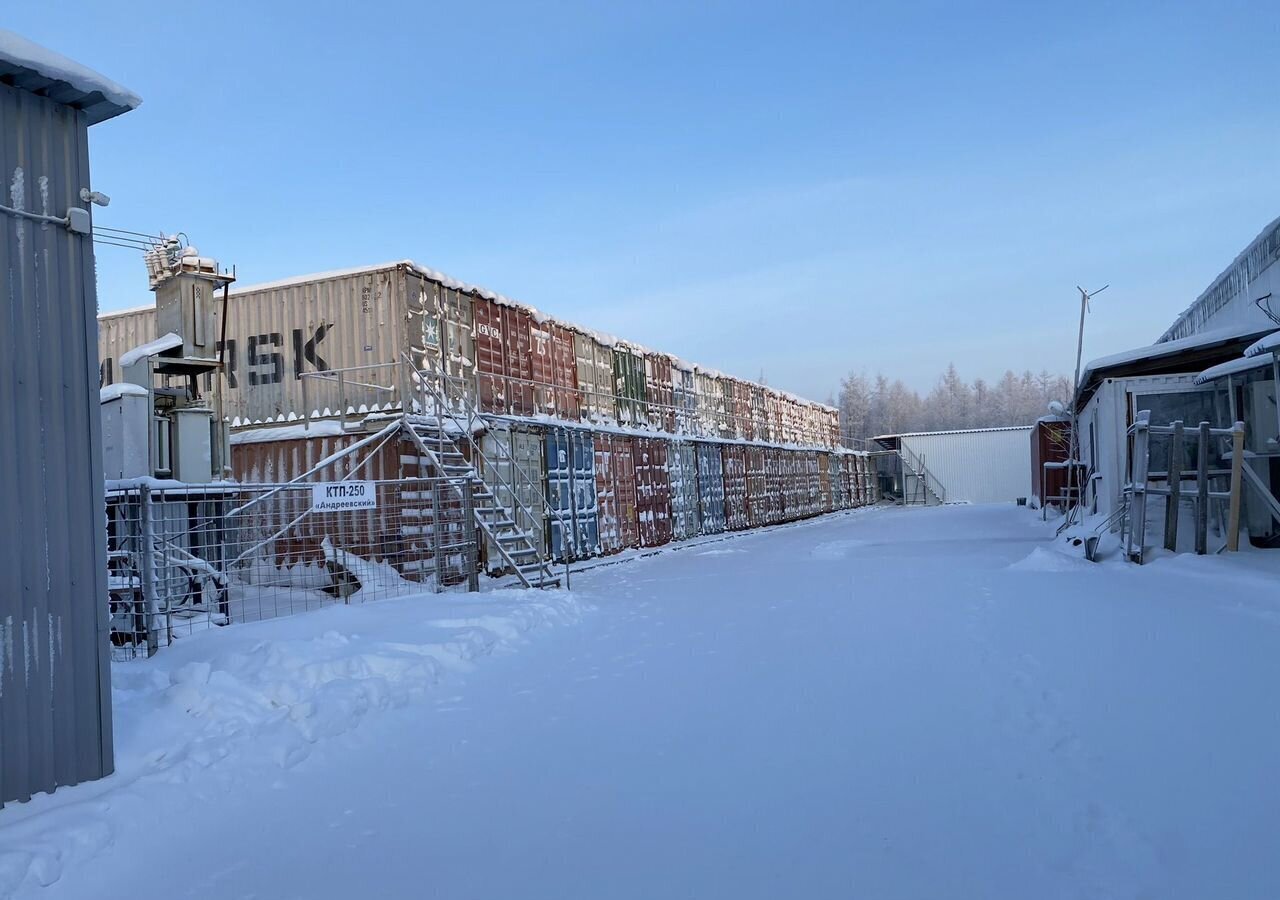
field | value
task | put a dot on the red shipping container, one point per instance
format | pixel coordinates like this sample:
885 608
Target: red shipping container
616 493
542 368
564 373
491 357
742 410
733 459
519 363
824 481
757 488
653 491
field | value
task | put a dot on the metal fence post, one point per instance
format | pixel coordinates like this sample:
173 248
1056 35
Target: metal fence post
1202 490
147 553
437 545
1138 485
472 551
1173 499
1237 461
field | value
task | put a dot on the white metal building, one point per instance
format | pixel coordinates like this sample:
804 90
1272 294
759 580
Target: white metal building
979 465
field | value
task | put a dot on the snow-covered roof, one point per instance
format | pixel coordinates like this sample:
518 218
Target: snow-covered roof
1235 367
955 431
1264 345
1247 265
120 389
1201 341
151 348
28 66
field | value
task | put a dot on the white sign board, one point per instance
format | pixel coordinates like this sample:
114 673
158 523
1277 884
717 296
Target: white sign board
338 496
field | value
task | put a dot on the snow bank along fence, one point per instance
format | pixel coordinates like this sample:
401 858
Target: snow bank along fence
184 558
507 358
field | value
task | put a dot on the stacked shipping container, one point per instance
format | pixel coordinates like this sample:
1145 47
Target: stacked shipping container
652 448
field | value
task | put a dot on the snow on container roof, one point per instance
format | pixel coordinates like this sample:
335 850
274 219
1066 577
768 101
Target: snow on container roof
955 431
1204 341
29 67
1265 345
151 348
448 281
1235 367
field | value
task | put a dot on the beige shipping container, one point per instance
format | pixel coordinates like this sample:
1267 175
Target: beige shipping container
595 378
280 335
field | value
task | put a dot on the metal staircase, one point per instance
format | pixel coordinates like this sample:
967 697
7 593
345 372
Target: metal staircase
926 483
439 428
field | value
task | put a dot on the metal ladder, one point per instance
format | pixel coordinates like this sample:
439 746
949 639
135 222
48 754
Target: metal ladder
436 436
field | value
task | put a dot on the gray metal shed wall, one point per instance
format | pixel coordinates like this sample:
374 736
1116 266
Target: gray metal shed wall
55 718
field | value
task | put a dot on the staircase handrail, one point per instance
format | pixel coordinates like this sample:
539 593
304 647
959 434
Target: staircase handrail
443 407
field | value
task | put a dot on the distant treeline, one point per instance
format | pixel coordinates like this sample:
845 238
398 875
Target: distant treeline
875 405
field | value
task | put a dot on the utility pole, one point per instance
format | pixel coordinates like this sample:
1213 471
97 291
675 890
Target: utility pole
1073 463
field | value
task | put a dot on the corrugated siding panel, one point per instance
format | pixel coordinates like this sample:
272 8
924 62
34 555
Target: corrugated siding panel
978 466
653 491
55 706
571 491
682 468
734 461
276 335
594 363
710 488
374 534
525 452
616 492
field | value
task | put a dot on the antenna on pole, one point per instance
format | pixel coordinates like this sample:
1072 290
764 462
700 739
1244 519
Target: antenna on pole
1073 464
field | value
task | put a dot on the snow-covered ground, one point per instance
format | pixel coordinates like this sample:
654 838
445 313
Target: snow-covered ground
891 703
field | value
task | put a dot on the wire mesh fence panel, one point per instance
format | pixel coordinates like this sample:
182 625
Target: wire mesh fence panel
188 558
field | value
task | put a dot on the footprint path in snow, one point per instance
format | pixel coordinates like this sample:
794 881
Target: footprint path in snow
1104 854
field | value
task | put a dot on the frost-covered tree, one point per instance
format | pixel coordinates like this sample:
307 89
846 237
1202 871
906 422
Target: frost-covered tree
870 407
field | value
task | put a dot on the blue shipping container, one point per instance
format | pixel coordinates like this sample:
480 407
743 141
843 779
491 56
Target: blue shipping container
711 488
571 491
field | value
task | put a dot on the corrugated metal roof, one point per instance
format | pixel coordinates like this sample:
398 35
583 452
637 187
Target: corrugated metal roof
29 67
956 431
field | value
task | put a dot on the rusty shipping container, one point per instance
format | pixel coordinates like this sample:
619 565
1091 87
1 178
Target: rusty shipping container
660 392
653 491
401 531
825 489
775 476
734 461
757 488
616 492
283 333
285 339
554 370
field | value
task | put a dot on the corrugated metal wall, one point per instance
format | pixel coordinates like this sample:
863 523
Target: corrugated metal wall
55 695
977 466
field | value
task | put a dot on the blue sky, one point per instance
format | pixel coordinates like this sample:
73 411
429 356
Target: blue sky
795 189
